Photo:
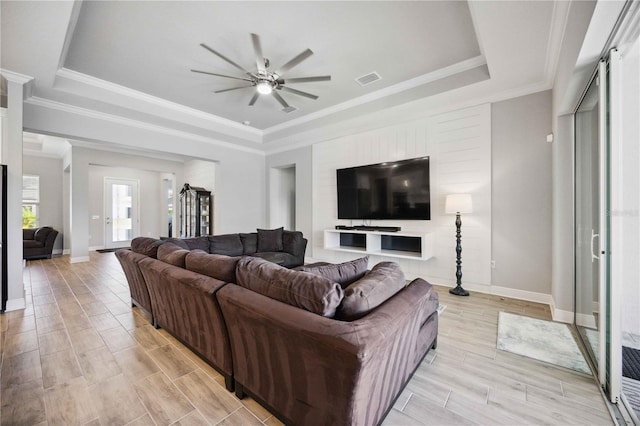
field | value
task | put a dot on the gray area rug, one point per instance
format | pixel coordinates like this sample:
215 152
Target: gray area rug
546 341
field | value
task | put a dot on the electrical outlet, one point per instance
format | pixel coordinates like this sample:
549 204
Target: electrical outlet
493 264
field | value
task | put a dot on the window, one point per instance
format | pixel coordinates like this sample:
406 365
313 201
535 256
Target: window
30 201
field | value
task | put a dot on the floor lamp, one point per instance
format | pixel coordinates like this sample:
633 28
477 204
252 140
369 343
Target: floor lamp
457 204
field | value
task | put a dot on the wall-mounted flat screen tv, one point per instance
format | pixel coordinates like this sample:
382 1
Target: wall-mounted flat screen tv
396 190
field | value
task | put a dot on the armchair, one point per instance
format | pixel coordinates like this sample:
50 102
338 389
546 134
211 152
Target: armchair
37 243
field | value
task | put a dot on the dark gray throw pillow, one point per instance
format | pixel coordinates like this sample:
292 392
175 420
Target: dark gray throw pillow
371 291
341 273
270 239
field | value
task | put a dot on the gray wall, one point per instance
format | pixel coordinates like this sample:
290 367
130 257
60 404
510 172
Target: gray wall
522 193
51 199
150 207
301 159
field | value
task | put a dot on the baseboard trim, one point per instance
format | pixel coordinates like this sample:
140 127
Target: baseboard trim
79 259
94 248
57 251
16 304
66 251
529 296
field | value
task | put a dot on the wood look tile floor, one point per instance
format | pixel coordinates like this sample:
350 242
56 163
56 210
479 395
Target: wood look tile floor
80 355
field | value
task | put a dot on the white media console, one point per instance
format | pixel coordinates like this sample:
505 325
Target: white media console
405 245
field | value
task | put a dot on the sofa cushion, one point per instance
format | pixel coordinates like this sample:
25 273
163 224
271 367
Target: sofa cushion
270 240
42 234
300 289
278 257
147 246
197 243
172 254
216 266
177 241
292 241
28 233
32 244
383 281
341 273
228 244
249 243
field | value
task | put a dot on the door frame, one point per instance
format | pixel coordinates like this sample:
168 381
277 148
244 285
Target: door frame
107 203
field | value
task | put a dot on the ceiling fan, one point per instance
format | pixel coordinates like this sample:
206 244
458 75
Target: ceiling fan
264 80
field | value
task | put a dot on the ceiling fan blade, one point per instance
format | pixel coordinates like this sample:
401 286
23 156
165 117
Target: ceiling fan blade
232 88
221 56
298 92
295 61
308 79
254 99
221 75
257 48
279 99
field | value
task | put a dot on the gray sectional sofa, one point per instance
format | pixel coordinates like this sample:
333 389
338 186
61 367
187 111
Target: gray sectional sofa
323 344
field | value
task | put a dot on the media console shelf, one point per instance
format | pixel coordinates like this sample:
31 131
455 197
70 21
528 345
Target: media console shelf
405 245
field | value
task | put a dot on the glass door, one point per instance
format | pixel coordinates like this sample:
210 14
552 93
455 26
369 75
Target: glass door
121 207
587 210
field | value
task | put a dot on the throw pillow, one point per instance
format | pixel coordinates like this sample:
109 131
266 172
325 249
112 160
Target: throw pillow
172 254
300 289
249 243
228 244
147 246
216 266
270 239
383 281
341 273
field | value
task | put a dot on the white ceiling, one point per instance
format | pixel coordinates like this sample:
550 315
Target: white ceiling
132 59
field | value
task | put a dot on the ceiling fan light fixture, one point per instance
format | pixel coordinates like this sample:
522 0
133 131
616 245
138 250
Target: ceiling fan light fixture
264 87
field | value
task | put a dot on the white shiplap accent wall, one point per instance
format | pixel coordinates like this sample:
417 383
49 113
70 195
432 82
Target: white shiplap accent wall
459 146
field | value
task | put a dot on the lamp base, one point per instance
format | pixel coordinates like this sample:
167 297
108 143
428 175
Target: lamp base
459 291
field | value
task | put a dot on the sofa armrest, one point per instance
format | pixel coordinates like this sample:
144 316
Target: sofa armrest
184 304
295 244
312 369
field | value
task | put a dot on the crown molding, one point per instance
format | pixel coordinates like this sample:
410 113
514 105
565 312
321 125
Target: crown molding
223 125
410 111
387 91
559 20
15 77
72 109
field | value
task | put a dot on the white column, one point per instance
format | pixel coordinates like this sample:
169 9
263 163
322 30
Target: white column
79 198
17 85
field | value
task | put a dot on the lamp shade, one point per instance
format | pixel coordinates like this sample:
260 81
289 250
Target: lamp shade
458 203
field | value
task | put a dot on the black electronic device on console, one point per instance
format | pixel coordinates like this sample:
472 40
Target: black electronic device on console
345 227
378 228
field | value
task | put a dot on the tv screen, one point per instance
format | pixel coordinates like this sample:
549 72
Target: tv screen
398 190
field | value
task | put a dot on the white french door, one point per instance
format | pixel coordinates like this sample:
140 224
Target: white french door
120 212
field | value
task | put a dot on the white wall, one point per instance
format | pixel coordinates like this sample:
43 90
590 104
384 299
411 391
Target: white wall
84 183
299 158
625 220
522 188
282 197
240 173
201 174
459 146
150 205
51 199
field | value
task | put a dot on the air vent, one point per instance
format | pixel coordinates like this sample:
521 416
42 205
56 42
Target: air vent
289 109
367 79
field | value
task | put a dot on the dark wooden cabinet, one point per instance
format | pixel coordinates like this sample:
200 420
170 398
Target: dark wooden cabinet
196 211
